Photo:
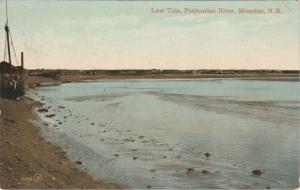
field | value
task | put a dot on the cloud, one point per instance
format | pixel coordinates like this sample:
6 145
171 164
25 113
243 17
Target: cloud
92 39
107 22
194 19
265 21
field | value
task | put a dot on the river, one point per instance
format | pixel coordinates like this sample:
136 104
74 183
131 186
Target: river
178 133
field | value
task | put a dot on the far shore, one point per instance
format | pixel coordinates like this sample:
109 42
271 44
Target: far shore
55 77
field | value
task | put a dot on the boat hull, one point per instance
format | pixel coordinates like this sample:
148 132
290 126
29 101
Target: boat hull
11 89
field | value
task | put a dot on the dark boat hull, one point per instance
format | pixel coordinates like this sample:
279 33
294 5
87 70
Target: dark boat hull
11 89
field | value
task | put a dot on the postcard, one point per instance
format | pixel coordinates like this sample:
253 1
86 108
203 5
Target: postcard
154 94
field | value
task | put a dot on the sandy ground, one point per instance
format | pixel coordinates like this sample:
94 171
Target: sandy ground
27 160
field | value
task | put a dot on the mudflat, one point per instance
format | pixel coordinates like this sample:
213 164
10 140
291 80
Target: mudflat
27 160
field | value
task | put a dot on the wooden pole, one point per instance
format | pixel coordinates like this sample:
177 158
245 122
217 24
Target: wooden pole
8 43
22 64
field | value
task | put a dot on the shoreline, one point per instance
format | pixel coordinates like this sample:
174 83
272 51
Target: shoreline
30 161
36 81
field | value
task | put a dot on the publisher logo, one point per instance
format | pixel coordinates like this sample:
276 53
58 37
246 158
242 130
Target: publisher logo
36 178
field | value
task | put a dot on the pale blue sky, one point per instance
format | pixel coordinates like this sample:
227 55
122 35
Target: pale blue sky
126 35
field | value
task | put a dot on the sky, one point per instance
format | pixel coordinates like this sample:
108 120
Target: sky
61 34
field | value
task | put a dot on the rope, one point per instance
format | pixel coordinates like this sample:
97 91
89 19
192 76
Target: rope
5 48
13 47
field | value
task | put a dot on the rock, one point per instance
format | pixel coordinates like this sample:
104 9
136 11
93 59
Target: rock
117 155
53 178
42 110
92 123
205 172
61 107
135 157
60 122
152 170
149 186
18 157
189 170
10 120
78 162
50 115
13 185
256 172
268 187
141 137
165 157
207 154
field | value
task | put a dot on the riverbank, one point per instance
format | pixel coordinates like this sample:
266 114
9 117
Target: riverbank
57 78
29 161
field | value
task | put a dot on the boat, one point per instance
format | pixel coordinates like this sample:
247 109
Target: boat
11 76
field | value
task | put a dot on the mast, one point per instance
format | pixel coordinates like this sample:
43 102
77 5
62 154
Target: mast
7 34
8 43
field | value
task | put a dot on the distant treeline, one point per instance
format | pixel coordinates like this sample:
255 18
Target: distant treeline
160 71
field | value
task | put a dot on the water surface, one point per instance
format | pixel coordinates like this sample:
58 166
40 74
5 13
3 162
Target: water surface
155 133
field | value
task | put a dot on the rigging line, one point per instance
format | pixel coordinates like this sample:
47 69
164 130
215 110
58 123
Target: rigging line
5 49
12 44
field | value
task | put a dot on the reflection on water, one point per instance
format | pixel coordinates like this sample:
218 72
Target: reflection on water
156 133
